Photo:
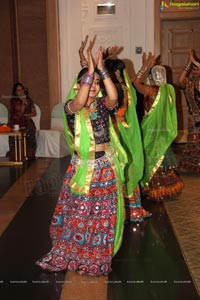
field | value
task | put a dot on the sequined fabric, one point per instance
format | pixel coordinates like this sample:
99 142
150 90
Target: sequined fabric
83 226
164 185
190 159
99 119
150 97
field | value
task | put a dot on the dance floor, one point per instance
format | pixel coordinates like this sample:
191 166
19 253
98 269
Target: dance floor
159 259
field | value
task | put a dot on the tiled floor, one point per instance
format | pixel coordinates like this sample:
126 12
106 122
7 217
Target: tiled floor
184 214
13 198
151 264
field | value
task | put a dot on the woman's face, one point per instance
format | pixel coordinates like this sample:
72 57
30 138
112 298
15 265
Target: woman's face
195 72
20 91
95 87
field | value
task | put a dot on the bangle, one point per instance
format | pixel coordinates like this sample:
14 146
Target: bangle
87 79
71 111
187 67
90 75
104 73
84 63
140 73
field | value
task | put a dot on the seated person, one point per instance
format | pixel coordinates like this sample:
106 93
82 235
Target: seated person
21 110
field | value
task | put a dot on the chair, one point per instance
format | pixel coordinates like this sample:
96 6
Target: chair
52 142
4 145
57 117
37 118
3 114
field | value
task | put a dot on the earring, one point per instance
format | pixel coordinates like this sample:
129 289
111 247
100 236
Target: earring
100 94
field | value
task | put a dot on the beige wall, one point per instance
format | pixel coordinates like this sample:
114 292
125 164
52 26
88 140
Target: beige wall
71 18
45 55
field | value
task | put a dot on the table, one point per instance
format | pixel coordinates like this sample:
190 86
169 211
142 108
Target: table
20 148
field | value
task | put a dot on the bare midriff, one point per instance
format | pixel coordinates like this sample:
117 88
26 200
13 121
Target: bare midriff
102 147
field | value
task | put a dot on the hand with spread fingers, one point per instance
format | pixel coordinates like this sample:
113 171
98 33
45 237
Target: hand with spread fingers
83 60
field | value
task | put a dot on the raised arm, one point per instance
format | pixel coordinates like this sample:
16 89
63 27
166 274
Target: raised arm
148 63
112 95
83 60
186 70
82 96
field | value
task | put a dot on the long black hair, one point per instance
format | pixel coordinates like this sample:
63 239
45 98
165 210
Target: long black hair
113 65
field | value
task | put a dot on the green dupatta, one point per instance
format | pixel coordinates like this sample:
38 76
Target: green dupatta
130 137
159 129
84 144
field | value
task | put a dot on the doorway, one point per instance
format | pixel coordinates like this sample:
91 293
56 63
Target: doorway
177 37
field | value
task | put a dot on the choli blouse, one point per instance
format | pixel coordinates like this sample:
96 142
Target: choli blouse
99 117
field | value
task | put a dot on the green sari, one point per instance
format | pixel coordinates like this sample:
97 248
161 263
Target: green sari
159 129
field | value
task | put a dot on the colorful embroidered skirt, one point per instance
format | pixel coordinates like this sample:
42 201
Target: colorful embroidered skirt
83 226
164 185
190 158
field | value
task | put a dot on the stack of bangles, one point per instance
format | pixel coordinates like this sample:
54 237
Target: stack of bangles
187 67
87 79
104 73
140 73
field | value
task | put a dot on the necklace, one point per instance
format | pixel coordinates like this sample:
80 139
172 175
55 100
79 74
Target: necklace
92 106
